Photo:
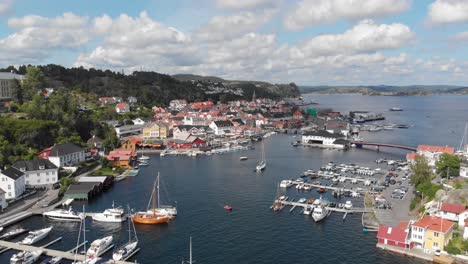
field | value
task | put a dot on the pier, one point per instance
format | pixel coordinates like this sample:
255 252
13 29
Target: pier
51 252
331 209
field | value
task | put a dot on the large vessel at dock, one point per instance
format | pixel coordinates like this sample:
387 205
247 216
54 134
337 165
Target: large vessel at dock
153 215
98 247
320 212
64 215
25 257
36 236
111 215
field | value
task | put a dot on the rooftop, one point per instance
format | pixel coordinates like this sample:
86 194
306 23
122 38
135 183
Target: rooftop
452 208
64 149
33 165
434 224
12 173
436 149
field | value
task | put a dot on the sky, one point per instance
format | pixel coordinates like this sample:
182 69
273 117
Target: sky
309 42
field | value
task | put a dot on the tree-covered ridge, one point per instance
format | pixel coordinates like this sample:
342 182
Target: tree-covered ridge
151 88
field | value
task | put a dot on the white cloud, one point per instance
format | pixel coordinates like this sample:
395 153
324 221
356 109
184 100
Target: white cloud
448 11
5 6
364 37
38 36
313 12
462 36
245 4
228 27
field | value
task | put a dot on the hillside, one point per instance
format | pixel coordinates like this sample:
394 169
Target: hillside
152 88
380 90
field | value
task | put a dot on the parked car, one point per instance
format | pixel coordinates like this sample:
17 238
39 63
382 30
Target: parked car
437 252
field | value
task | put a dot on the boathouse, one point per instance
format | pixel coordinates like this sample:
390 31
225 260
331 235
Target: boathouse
82 190
395 236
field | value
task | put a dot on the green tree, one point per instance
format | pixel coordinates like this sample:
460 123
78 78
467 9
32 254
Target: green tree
448 164
422 172
34 81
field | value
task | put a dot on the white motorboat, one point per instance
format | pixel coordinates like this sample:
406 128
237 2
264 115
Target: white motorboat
308 210
302 200
98 247
143 163
143 157
243 158
348 205
25 257
121 177
35 236
320 212
396 109
13 233
129 248
64 215
285 183
112 215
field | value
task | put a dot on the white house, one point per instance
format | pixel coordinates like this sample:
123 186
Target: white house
38 172
452 212
221 127
194 121
464 170
183 131
418 235
465 229
3 202
67 154
178 104
325 139
138 121
12 182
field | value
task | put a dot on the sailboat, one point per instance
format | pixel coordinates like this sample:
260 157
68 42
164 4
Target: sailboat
167 210
128 249
151 216
261 165
143 157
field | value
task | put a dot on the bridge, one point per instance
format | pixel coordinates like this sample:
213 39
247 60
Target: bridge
360 144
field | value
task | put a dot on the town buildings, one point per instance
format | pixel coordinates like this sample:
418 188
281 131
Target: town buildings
431 153
12 181
8 85
122 108
221 127
431 232
62 155
38 172
155 130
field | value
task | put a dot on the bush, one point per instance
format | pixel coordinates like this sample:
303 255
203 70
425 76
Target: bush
428 189
451 249
414 202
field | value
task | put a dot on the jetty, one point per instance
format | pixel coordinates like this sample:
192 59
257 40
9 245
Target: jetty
52 252
331 209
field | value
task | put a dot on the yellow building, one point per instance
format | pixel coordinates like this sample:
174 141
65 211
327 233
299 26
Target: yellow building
432 232
155 130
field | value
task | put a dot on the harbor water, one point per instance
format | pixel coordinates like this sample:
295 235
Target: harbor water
252 232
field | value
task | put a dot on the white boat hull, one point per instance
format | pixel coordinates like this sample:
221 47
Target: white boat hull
39 235
125 251
101 217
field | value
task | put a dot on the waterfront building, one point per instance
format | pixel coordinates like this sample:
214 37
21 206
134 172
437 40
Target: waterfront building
38 172
8 85
67 154
122 108
12 181
132 143
324 138
183 131
221 128
3 202
122 157
431 232
190 142
155 130
395 236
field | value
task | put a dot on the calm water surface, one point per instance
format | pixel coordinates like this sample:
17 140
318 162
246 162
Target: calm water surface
252 233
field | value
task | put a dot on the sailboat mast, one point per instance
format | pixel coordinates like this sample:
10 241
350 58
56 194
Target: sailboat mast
190 261
158 191
84 232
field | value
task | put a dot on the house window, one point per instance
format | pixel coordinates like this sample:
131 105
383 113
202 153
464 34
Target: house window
436 234
419 237
38 180
436 244
41 167
47 180
47 173
9 187
9 194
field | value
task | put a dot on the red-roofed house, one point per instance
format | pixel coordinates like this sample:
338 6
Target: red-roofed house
122 157
432 153
395 236
122 108
298 115
465 230
452 212
431 232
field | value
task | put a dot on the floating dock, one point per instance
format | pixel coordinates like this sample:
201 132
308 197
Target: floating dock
330 209
51 252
